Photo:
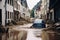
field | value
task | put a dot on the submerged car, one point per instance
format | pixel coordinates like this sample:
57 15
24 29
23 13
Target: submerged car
38 23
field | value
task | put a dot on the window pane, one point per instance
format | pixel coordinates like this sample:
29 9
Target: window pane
8 15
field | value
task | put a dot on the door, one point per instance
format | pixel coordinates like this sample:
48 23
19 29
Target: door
0 16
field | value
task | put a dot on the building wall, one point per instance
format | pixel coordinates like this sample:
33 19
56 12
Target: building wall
9 8
37 13
54 4
57 11
24 12
2 6
44 8
17 10
7 14
9 11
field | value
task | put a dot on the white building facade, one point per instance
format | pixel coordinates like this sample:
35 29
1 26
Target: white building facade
9 11
2 12
6 11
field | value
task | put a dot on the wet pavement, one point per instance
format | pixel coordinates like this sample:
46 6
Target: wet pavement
23 32
32 34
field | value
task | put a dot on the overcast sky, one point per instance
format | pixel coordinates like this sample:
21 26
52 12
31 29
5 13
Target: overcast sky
32 3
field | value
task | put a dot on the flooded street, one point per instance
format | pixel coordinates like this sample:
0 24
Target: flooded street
29 19
23 32
32 34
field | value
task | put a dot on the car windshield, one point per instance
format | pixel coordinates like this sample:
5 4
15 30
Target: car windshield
38 21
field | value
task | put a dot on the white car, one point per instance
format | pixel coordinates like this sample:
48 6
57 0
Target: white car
38 23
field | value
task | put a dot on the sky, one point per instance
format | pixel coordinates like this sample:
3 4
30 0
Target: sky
32 3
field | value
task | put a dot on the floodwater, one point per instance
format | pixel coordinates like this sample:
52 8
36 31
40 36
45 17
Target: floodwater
31 34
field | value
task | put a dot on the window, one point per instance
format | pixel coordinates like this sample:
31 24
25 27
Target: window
47 15
50 15
8 15
10 2
12 15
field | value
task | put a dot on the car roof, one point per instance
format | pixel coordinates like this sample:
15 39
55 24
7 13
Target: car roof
38 20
